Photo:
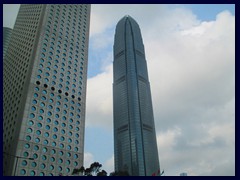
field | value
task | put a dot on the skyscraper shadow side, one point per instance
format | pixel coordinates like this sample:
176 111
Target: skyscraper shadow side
135 145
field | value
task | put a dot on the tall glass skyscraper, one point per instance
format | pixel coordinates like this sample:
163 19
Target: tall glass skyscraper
45 74
135 146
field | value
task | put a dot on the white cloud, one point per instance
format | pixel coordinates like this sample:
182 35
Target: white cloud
191 67
88 159
99 99
108 166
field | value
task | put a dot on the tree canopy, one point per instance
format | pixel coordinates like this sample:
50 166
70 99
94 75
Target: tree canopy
93 170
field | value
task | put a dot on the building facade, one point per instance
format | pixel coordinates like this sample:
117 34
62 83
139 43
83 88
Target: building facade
6 39
45 74
135 146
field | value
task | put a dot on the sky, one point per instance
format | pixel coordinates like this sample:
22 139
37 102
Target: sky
190 53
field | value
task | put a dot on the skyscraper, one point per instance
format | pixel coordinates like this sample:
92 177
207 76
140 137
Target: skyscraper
6 39
45 74
135 146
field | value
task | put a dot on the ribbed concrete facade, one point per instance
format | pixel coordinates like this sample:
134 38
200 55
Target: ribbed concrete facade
45 74
135 146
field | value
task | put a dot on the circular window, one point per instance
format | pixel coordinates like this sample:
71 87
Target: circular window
36 148
75 156
25 154
46 134
69 147
30 123
53 151
61 145
34 164
75 163
27 146
37 140
62 138
28 138
35 156
54 136
29 130
67 170
51 167
54 144
40 118
33 108
32 173
32 115
45 142
39 125
41 111
76 149
68 162
48 120
52 159
24 162
63 131
44 157
60 153
47 127
49 113
23 171
41 174
43 166
44 149
59 168
34 101
69 154
60 161
38 132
